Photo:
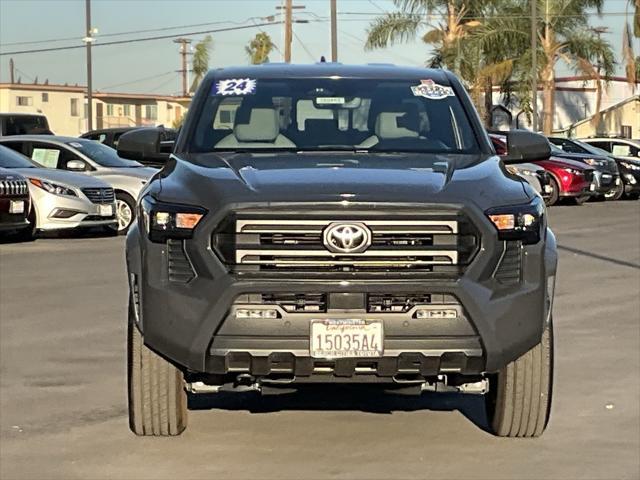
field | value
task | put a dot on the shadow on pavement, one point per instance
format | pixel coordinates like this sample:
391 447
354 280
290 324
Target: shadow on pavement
345 398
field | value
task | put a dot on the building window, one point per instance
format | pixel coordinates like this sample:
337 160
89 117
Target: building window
625 130
24 101
45 97
74 107
127 110
151 112
109 110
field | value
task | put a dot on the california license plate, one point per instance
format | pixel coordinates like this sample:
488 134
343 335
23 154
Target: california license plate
16 206
105 210
351 338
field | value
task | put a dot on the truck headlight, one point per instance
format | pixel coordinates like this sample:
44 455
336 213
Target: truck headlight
519 222
162 221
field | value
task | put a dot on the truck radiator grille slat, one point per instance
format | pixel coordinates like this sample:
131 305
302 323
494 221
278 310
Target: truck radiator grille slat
179 267
509 269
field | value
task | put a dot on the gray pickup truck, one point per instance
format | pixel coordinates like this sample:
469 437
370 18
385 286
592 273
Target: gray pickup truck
338 224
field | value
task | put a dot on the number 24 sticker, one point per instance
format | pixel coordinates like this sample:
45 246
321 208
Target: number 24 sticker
236 86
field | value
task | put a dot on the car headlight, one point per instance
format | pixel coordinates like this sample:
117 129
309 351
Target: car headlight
162 221
519 222
630 166
573 171
53 188
591 161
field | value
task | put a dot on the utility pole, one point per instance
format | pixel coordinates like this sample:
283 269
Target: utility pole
184 51
534 66
12 71
288 28
334 32
88 40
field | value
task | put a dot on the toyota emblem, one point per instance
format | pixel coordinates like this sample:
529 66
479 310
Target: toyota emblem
347 237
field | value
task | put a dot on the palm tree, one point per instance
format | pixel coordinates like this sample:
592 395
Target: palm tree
201 61
452 39
259 48
563 34
632 63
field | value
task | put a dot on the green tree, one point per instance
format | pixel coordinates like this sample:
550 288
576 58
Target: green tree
563 34
200 63
259 48
631 62
452 38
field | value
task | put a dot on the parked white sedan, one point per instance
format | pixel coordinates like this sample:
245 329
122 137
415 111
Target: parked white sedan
126 177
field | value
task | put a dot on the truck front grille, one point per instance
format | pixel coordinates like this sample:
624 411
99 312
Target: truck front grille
440 244
13 188
99 195
289 302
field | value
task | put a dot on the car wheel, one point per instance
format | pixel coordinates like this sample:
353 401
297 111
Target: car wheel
581 200
616 193
553 197
157 399
125 212
519 398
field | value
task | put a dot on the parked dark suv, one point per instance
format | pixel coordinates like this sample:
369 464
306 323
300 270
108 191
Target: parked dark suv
339 224
14 204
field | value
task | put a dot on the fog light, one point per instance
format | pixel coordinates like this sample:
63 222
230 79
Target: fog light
443 313
257 313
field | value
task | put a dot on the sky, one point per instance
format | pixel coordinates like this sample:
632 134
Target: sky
151 67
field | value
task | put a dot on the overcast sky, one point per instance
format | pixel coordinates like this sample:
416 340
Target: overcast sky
151 66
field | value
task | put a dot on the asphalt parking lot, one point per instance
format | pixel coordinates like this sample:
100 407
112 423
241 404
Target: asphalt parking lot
62 383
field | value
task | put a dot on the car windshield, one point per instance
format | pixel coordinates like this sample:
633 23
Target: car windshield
12 159
555 148
591 149
333 114
26 124
101 154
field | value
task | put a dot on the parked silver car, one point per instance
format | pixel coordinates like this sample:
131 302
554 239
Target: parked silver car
127 177
62 200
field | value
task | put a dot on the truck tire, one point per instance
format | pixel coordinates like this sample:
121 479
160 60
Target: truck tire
519 398
157 399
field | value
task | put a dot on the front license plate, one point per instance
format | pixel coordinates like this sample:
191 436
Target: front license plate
105 210
16 206
346 338
592 187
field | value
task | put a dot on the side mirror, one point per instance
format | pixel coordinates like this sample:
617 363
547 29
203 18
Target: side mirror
524 146
144 144
76 166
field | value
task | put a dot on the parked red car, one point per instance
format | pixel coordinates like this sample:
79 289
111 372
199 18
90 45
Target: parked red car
569 179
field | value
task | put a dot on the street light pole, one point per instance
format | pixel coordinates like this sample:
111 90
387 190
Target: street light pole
87 40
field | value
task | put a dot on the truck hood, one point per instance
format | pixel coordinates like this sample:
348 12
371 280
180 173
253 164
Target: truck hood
334 177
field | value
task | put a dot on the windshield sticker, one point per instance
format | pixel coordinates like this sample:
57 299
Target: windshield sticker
330 100
235 86
431 90
47 157
75 144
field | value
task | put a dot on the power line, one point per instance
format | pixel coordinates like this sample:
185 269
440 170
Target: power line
313 59
135 40
132 32
158 75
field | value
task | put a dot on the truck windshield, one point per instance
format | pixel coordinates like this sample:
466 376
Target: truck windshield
333 114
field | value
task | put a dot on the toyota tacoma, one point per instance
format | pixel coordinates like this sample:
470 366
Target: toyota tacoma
338 224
